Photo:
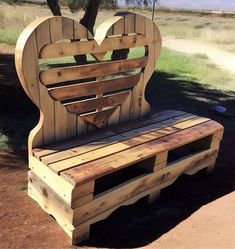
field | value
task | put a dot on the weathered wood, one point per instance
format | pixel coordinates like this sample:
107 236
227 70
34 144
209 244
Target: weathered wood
56 50
57 75
99 118
125 30
120 194
75 143
128 140
96 103
30 81
160 163
137 153
132 135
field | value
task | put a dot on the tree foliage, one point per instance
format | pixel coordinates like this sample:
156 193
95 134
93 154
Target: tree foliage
75 5
145 3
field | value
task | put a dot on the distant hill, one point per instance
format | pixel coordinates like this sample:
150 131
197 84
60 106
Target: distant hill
224 5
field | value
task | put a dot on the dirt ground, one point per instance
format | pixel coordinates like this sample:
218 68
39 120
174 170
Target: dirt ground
196 212
219 57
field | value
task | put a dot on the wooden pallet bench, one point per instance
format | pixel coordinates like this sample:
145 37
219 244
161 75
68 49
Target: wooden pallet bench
96 146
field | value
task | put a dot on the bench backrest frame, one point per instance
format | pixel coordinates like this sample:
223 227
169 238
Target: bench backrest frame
60 121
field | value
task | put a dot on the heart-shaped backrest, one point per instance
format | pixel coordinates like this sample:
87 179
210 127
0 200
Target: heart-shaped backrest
75 99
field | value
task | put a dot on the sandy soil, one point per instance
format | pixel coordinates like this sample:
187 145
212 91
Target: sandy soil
221 58
212 226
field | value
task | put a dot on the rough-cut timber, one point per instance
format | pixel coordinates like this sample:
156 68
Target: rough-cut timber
96 146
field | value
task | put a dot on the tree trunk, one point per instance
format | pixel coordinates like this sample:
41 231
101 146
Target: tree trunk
54 7
90 15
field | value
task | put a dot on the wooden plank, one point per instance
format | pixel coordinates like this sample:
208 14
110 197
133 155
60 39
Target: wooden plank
47 194
54 206
60 122
106 141
28 73
118 195
68 28
91 47
51 204
56 32
83 106
55 148
81 233
129 24
82 126
75 143
120 83
160 163
47 107
46 103
125 110
140 24
145 108
73 197
43 36
99 118
157 42
124 142
157 117
114 118
71 125
80 32
109 32
91 88
60 186
136 99
65 123
63 74
100 167
119 28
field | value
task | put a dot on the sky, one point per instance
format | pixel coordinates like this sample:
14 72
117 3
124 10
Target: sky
226 5
201 4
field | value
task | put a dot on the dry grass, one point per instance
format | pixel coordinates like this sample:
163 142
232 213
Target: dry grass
213 29
217 30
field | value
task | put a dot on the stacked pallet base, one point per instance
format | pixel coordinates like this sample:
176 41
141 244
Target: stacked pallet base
80 184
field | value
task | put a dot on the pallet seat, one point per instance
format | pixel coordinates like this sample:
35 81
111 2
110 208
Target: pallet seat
97 146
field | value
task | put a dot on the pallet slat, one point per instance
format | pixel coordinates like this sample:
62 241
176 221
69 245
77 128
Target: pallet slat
91 88
119 195
125 140
63 74
73 143
56 50
96 103
106 165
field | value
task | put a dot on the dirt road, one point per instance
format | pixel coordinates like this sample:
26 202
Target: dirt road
221 58
209 227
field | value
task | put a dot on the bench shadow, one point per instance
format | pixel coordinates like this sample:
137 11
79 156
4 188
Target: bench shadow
139 224
18 115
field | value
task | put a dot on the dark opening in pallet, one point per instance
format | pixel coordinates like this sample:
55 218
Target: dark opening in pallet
189 149
120 176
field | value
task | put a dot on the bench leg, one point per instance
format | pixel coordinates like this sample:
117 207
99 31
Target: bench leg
81 233
210 169
160 162
154 196
215 143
